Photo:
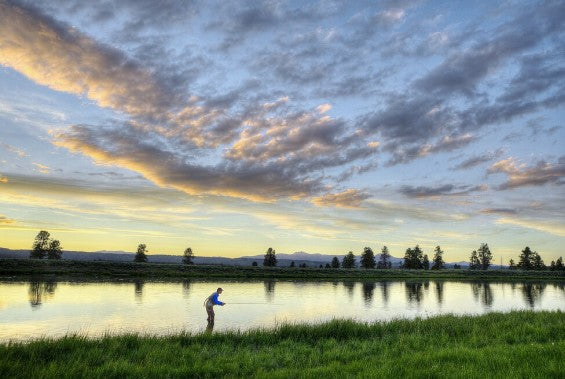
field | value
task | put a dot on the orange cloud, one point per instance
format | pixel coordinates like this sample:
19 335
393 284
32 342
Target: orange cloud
351 198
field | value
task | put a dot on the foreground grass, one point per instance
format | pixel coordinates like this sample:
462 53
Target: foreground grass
517 344
67 269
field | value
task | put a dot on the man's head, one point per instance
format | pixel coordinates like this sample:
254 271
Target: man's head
219 290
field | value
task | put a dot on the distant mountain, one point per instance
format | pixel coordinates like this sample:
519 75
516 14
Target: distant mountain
284 260
316 257
124 256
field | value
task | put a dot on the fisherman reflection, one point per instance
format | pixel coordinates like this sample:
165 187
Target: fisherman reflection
414 292
39 291
532 293
368 289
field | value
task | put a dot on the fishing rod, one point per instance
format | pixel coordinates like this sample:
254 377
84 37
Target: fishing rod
253 303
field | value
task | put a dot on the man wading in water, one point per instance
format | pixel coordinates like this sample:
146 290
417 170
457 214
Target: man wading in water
209 304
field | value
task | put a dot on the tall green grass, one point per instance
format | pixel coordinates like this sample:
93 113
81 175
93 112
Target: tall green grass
517 344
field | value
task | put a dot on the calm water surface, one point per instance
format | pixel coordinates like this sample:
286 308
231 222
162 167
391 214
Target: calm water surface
35 309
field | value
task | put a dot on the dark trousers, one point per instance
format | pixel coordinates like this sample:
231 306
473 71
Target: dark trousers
210 311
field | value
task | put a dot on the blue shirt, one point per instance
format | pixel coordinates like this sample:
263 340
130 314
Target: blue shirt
215 300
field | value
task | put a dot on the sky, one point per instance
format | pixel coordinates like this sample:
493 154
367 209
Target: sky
322 126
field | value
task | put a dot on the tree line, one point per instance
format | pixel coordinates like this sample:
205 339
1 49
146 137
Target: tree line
414 258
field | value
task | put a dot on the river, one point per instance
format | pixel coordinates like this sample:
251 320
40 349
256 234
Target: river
35 309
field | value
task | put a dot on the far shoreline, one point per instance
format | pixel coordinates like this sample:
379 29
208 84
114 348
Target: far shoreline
68 270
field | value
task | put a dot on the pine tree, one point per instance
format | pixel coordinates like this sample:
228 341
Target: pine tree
348 260
485 256
335 262
188 256
270 258
55 250
413 258
141 256
40 245
425 262
292 264
512 265
526 261
384 261
559 264
474 263
368 258
538 262
438 259
552 266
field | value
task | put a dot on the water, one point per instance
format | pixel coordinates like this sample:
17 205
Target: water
35 309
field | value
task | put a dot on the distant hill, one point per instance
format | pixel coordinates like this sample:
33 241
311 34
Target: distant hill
284 260
124 256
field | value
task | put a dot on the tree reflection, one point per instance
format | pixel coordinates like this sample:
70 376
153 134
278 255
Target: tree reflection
139 290
269 290
384 291
532 293
39 291
350 287
185 288
414 292
483 293
368 289
439 292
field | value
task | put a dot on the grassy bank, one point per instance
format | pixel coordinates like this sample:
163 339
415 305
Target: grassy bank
66 269
517 344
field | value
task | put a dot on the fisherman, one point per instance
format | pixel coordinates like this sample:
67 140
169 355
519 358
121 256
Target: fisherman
209 304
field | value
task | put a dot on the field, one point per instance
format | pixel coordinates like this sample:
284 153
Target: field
77 270
517 344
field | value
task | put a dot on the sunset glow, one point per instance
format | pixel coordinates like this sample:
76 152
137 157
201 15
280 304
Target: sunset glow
322 127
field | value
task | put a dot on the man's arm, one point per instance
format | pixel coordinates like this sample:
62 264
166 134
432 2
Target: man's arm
215 300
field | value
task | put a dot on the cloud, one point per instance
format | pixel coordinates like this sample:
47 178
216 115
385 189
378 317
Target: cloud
42 168
439 191
3 179
463 70
128 148
477 160
15 150
351 198
520 175
550 227
63 59
6 221
503 211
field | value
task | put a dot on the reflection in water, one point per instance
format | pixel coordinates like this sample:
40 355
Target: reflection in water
39 291
368 289
269 290
139 290
439 292
532 293
185 288
103 306
384 291
414 292
483 293
350 287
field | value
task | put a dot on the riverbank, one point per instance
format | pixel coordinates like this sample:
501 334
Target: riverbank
516 344
100 270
